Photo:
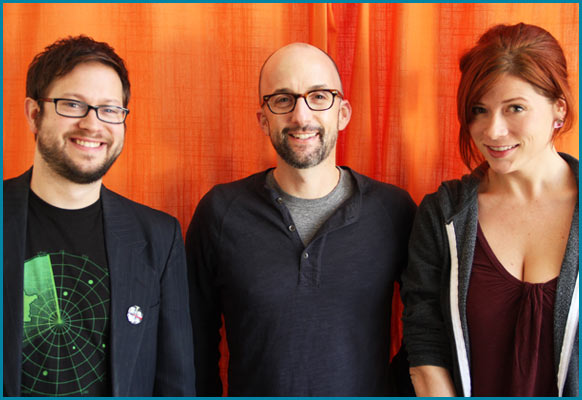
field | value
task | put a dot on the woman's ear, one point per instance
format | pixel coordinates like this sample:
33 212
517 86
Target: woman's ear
560 109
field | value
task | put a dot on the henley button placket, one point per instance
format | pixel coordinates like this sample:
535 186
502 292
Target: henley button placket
308 271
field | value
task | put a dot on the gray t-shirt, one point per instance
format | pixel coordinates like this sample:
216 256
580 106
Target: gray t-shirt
310 214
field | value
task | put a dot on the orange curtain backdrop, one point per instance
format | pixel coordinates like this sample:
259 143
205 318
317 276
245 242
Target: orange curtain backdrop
194 70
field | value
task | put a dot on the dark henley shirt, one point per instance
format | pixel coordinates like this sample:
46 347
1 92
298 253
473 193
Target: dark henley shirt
300 320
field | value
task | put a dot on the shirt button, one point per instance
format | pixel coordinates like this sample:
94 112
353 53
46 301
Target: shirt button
292 228
279 200
306 255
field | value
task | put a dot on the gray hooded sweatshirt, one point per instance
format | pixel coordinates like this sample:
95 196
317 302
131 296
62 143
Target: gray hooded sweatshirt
436 282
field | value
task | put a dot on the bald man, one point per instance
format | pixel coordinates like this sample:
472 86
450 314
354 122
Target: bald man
300 259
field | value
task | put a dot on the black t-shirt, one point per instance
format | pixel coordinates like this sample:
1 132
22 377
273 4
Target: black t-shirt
66 302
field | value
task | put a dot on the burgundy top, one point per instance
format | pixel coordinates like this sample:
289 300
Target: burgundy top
510 330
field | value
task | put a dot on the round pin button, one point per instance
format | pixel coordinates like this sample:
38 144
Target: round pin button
134 315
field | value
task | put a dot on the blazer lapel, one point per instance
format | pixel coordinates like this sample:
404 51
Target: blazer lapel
125 248
15 216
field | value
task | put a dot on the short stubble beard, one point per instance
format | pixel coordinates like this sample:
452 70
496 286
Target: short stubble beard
311 159
58 161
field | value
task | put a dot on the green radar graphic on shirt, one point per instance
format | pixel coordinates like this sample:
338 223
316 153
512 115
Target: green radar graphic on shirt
65 315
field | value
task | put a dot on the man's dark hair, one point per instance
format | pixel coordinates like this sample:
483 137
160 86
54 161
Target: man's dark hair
61 57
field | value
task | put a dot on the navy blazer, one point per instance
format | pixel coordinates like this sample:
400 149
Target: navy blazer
147 267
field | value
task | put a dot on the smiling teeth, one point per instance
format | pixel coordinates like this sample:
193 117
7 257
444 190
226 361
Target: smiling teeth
303 135
501 148
87 144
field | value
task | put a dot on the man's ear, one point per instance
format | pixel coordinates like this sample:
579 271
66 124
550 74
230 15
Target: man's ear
345 114
32 114
263 122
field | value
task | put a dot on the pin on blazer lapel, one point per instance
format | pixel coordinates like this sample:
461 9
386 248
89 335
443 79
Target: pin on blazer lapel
130 286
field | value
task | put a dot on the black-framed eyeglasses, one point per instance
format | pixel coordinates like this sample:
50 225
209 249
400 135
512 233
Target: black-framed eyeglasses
78 109
316 100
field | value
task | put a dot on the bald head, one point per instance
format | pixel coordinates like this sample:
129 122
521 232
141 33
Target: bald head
294 61
303 137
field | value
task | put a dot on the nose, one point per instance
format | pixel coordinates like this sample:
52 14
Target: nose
90 121
495 127
301 115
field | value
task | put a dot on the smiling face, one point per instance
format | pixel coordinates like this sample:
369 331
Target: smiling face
79 149
512 125
302 138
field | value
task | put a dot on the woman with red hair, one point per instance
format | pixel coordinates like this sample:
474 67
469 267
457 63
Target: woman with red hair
491 290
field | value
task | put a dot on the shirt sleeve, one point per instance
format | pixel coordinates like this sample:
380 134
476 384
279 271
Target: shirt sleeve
201 242
406 214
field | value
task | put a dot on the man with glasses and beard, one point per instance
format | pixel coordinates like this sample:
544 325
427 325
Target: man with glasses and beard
95 298
300 259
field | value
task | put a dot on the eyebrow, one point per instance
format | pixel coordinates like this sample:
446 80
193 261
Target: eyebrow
515 99
313 87
480 103
83 99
